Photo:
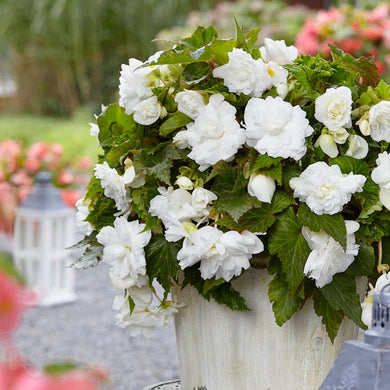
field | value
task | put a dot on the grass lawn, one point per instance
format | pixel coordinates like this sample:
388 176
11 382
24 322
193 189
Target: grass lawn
72 133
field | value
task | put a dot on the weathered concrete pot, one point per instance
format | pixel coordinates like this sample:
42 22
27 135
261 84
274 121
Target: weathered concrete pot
225 350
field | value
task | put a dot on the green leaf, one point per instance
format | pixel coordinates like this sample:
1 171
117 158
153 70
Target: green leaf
60 368
174 122
364 262
285 239
258 219
131 304
90 258
341 295
239 33
252 36
158 165
334 225
196 71
102 213
7 265
210 284
275 173
383 90
280 201
233 197
161 260
264 161
284 304
331 318
220 48
201 37
350 164
369 199
362 67
113 122
223 294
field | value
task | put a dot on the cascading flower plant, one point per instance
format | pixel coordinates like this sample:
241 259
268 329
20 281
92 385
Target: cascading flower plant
219 152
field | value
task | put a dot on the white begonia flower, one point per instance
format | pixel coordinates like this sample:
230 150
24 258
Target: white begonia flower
126 282
82 212
334 107
189 102
328 145
358 147
181 140
132 85
340 135
223 255
215 135
185 183
282 90
327 256
277 74
172 205
142 296
324 188
201 199
115 185
142 320
175 230
262 187
243 74
278 52
277 128
147 111
124 249
379 121
381 176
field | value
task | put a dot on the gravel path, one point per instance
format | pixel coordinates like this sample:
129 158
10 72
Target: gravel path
85 332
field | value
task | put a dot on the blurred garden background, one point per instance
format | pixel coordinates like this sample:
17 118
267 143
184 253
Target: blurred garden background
60 61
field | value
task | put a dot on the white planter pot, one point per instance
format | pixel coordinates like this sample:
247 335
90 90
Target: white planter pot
225 350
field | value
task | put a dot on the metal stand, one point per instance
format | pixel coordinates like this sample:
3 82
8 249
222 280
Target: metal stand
171 385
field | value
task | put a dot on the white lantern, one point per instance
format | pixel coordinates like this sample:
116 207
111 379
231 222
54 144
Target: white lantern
44 228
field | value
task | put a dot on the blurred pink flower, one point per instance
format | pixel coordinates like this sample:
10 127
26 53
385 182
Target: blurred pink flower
21 178
8 205
57 149
85 163
14 299
378 14
70 197
65 178
9 152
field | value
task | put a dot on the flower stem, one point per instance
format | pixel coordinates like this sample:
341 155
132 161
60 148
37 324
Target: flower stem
381 267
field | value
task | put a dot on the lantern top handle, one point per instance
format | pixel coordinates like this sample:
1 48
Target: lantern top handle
44 177
44 196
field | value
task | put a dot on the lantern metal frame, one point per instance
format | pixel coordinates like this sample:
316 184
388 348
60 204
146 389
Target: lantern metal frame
44 228
365 364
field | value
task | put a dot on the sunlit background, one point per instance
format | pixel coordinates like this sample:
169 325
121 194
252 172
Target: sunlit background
59 61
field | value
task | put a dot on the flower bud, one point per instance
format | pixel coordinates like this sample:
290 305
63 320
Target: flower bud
185 183
364 127
328 145
367 313
262 187
358 147
282 90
